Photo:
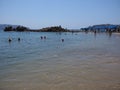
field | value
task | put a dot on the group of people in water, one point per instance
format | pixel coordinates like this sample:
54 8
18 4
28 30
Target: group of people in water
11 39
42 37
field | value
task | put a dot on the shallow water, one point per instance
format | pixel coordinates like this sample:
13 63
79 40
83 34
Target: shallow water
82 62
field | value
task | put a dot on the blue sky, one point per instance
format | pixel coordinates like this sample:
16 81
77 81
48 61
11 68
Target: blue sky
67 13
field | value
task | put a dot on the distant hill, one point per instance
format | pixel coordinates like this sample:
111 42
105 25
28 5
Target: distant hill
19 28
98 28
101 27
104 26
2 26
54 29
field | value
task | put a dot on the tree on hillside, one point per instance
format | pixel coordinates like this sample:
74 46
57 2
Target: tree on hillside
8 28
21 28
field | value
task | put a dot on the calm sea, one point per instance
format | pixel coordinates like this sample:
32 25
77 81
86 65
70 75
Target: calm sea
84 61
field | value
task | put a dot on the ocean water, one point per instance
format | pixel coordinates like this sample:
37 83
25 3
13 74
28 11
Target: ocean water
84 61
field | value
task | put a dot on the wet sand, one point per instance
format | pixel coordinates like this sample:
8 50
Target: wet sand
101 73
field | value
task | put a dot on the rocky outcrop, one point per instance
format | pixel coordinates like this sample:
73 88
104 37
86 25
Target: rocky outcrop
54 29
18 28
47 29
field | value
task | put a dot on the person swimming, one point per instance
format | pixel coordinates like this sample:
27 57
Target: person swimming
18 39
62 40
9 39
41 37
44 37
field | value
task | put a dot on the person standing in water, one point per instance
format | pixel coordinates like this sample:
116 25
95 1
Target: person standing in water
62 40
18 39
9 40
44 37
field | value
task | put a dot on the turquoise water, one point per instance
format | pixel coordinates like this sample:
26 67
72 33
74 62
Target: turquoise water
84 61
